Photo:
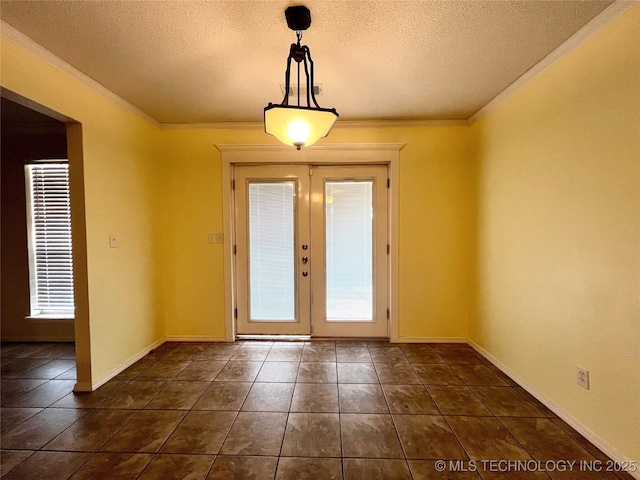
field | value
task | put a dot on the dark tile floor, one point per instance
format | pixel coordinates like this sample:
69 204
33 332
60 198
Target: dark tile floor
283 410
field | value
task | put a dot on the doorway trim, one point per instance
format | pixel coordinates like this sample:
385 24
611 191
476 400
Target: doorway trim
75 155
330 154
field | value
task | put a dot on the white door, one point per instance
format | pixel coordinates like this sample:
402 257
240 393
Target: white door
273 287
311 250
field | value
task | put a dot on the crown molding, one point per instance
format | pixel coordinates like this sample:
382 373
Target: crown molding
339 124
401 123
213 126
342 147
58 63
588 29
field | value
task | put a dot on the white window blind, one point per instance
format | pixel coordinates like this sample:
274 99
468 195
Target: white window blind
349 250
49 232
271 257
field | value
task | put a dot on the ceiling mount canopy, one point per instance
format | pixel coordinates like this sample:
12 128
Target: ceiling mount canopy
299 125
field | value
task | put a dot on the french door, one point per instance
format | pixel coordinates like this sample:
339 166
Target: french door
311 250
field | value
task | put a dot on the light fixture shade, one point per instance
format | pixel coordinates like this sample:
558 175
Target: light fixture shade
298 126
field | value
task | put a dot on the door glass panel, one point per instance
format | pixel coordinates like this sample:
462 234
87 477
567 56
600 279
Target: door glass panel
271 252
349 257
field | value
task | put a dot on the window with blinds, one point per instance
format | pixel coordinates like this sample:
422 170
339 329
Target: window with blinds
271 251
49 235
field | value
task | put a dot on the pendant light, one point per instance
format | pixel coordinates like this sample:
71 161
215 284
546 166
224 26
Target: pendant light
299 125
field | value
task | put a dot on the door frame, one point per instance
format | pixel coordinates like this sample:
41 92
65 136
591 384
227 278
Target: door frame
330 154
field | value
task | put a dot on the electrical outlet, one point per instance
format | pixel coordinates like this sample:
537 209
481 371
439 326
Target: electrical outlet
211 238
113 241
583 378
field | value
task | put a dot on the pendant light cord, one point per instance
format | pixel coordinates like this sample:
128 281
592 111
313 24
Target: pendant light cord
299 37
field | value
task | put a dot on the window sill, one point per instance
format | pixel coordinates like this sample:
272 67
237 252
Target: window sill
50 318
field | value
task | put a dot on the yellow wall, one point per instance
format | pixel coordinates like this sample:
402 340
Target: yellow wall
558 233
435 213
122 185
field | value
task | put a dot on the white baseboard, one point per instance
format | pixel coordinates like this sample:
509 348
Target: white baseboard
193 338
83 387
594 438
432 340
90 387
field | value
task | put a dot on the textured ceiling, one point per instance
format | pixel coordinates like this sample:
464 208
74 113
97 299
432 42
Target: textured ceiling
223 61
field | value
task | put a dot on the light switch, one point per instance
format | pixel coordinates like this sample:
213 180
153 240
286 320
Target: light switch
113 241
219 238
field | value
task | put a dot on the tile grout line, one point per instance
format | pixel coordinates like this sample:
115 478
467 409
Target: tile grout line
98 450
447 362
429 394
180 422
395 426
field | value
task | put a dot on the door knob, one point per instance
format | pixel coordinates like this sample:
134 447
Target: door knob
305 259
305 273
305 246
